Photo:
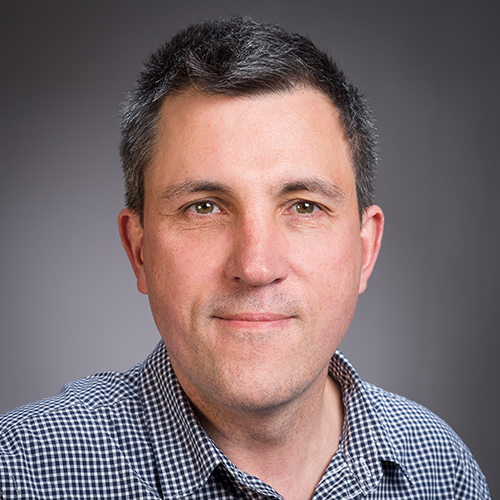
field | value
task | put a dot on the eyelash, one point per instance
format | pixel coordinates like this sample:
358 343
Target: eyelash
314 206
192 207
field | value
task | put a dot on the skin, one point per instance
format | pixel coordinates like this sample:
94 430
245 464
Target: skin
253 256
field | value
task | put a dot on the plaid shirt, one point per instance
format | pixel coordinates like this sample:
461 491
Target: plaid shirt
134 436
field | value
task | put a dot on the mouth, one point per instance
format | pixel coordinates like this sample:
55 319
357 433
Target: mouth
256 320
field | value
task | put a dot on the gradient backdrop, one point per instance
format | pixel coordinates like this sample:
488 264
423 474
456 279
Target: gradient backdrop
426 328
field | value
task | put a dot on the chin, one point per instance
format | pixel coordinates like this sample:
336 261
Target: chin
257 395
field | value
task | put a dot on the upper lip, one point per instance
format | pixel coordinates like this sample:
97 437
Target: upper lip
255 316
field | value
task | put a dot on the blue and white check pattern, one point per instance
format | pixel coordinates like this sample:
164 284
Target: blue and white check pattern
134 436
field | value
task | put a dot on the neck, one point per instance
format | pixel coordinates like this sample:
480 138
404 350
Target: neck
289 447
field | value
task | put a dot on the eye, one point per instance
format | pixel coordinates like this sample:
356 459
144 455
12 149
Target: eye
305 207
204 208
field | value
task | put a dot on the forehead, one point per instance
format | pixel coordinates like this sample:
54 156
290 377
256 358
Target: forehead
269 135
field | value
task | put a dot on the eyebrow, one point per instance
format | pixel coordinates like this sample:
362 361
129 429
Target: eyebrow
189 187
317 186
311 185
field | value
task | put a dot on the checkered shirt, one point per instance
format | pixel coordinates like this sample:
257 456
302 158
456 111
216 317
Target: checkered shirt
134 436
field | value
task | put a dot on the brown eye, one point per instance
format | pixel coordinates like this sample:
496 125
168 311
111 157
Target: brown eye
205 208
305 207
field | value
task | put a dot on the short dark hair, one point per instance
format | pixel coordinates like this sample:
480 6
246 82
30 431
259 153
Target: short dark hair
239 56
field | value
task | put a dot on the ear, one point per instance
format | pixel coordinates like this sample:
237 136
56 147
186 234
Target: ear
132 235
371 239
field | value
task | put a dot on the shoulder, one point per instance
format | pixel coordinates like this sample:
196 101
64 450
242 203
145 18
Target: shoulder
407 421
428 448
403 417
89 394
89 421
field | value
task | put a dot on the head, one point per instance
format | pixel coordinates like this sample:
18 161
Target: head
246 156
240 57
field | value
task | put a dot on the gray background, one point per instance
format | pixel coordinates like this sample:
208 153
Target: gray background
427 326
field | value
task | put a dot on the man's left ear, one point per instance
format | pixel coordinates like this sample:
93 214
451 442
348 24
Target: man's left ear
371 238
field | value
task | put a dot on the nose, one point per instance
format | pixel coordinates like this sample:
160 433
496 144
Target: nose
259 253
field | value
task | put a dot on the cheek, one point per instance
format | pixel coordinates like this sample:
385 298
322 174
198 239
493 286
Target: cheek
335 261
333 272
172 278
178 269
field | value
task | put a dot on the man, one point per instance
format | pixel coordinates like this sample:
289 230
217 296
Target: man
249 164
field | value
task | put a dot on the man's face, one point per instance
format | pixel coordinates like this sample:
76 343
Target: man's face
251 251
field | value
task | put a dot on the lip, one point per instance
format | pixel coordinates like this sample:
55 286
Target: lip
254 320
259 316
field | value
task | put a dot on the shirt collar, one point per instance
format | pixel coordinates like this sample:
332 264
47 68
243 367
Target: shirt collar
186 456
365 441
